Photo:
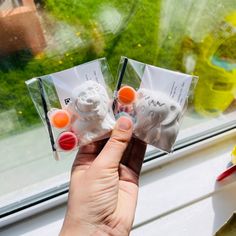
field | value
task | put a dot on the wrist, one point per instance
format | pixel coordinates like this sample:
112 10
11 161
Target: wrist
78 228
71 228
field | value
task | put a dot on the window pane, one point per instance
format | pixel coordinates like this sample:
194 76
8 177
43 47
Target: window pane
44 36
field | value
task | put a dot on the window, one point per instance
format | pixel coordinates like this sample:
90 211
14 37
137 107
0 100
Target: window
43 36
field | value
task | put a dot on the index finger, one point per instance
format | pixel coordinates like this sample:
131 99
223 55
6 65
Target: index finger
134 155
92 148
88 153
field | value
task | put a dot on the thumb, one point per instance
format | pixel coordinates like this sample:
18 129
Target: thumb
113 151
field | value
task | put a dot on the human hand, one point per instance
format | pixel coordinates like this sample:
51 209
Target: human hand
104 185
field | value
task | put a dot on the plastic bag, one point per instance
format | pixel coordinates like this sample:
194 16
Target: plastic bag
75 104
155 98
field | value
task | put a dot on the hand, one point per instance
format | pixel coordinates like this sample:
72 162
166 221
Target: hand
104 185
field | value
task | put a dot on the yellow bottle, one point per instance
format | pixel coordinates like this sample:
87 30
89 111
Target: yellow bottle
233 156
216 68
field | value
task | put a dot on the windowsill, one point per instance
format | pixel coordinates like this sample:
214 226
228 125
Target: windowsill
186 181
193 204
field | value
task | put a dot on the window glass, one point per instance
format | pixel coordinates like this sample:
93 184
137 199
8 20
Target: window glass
38 37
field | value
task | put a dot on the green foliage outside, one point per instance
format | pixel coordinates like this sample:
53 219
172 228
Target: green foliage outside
135 38
154 32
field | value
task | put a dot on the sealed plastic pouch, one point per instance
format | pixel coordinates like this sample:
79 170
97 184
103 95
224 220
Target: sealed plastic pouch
154 98
75 104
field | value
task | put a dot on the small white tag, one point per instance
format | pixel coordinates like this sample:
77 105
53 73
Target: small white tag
67 80
174 84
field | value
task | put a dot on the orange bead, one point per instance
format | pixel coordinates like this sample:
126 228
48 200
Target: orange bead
126 95
60 118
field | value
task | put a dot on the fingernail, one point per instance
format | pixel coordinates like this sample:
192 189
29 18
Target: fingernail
124 123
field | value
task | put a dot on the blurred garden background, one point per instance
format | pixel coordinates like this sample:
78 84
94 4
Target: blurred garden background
44 36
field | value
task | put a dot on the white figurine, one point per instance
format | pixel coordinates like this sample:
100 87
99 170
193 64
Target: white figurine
157 119
91 109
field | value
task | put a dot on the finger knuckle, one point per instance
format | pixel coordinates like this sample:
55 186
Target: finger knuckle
117 142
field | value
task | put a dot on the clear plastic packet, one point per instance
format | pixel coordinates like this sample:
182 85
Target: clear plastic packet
75 104
154 98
